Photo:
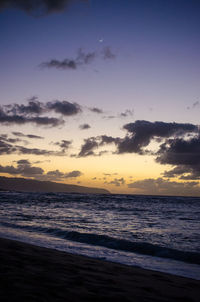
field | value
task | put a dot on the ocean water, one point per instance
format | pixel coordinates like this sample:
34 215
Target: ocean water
153 232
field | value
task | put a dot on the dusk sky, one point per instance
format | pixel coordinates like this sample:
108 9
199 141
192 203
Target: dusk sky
102 93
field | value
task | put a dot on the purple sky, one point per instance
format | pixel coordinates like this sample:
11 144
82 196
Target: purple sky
134 60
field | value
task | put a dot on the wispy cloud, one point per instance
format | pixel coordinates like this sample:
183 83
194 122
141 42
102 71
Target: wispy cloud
82 58
31 136
96 110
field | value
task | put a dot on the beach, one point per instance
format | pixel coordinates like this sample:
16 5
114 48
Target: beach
33 273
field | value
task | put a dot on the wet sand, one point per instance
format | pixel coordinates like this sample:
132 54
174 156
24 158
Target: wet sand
31 273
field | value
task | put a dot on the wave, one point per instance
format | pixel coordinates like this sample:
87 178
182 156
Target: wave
144 248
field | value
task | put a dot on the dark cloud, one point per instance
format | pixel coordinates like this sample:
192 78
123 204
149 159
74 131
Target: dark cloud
7 119
31 136
117 182
46 121
37 8
37 151
161 186
57 175
96 110
65 108
105 139
142 132
25 168
64 145
31 113
184 172
5 138
7 147
184 155
84 126
73 174
81 59
127 113
85 58
64 64
93 143
34 107
88 147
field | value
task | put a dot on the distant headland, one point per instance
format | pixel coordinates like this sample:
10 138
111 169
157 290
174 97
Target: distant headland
31 185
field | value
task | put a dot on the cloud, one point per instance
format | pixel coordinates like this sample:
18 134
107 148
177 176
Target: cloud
65 108
140 134
64 145
7 119
57 175
161 186
5 138
105 139
117 182
25 168
194 105
87 148
93 143
31 136
36 151
110 174
7 147
107 53
84 126
184 155
81 59
21 114
96 110
127 113
37 8
34 107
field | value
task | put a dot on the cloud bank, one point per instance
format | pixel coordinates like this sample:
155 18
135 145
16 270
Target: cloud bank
24 168
161 186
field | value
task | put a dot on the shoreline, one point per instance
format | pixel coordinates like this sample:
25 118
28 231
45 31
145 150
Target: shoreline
33 273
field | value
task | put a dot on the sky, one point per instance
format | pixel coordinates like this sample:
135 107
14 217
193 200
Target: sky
102 93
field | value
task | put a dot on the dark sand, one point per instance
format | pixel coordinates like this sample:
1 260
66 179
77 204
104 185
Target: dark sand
31 273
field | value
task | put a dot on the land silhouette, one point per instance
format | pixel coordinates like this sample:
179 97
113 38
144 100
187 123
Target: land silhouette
31 185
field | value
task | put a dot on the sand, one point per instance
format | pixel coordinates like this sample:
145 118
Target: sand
31 273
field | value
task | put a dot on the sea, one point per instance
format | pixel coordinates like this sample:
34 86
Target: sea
160 233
